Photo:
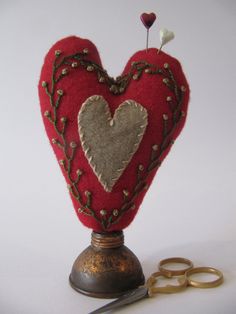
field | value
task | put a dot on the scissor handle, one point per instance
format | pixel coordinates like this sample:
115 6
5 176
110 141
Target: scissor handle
204 284
173 272
184 275
183 283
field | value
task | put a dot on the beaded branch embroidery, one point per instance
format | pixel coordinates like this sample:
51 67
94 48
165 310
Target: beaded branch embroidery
61 67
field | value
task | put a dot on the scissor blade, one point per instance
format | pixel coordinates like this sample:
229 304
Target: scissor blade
125 299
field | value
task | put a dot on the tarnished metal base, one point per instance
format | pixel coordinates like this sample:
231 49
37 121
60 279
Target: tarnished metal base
107 268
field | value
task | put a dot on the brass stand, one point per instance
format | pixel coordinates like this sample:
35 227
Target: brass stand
107 268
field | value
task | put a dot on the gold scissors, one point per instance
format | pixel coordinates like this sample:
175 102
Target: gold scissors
184 280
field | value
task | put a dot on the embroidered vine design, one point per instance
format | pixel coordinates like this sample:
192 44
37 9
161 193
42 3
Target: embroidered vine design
157 150
55 97
62 66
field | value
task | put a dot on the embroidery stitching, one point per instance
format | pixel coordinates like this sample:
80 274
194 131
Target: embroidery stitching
108 159
116 86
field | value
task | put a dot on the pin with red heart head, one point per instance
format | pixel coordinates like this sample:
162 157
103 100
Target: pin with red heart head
148 19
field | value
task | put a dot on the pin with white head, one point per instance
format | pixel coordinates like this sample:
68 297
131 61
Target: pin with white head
165 37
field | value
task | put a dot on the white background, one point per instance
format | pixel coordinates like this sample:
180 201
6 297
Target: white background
190 208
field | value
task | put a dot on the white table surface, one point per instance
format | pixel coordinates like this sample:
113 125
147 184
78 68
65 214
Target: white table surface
189 210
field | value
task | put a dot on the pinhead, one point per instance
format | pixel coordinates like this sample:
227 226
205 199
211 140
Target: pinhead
148 19
166 36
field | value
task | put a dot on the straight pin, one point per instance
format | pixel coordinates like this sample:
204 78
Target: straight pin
148 19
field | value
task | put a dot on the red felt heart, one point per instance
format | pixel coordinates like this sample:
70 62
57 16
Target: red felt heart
148 19
71 74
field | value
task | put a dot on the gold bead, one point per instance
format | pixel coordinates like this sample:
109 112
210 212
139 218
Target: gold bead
132 207
62 162
165 80
166 65
74 64
147 71
165 117
90 68
63 119
125 192
85 51
80 210
57 53
103 212
121 90
54 141
115 212
68 186
155 147
73 145
101 79
133 63
44 84
87 193
141 167
60 92
168 98
183 88
46 113
64 71
79 172
135 76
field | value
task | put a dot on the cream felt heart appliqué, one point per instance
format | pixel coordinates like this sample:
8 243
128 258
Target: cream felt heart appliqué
110 135
109 143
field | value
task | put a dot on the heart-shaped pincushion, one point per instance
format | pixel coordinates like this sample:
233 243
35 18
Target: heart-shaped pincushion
110 155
